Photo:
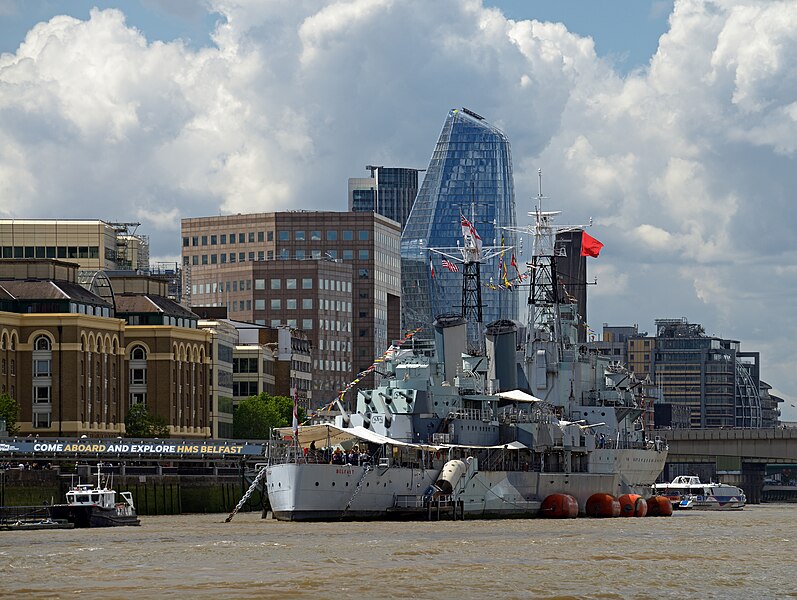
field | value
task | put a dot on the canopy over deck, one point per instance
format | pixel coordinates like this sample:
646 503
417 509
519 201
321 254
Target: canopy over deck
327 433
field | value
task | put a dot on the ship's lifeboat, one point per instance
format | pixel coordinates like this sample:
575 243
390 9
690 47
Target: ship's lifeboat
559 506
659 506
633 505
602 505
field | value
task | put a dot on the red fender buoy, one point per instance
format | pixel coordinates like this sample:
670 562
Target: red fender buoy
602 505
659 506
633 505
559 506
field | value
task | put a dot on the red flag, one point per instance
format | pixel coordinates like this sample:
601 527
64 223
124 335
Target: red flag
589 245
431 266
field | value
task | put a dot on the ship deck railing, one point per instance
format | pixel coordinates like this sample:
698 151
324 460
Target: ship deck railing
432 507
472 414
514 415
405 501
323 456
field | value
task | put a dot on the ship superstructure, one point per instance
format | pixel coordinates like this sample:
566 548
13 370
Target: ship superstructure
481 435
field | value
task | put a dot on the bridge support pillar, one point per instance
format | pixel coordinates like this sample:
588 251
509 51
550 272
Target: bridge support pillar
753 481
750 479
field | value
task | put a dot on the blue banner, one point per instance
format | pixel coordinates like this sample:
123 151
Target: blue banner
128 447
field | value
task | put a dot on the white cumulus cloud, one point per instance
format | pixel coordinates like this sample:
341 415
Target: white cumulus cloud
687 166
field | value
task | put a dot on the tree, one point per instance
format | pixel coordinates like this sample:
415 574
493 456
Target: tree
140 423
254 417
9 410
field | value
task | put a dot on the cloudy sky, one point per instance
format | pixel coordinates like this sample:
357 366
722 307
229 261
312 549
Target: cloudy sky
672 124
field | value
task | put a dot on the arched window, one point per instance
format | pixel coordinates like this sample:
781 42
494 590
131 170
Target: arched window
42 382
41 343
138 375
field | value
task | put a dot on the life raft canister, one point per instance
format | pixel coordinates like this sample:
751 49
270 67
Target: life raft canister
633 505
559 506
659 506
602 505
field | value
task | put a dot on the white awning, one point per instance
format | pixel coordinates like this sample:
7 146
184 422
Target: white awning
507 446
334 435
518 396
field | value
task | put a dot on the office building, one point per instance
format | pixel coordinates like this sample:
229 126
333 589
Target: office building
389 191
223 342
334 275
75 365
470 174
710 375
93 244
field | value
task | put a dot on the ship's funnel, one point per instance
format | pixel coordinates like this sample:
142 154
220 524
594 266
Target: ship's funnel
449 337
501 342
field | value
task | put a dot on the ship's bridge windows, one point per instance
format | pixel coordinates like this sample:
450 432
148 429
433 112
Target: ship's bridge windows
95 497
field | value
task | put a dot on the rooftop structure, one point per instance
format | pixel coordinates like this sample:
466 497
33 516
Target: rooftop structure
93 244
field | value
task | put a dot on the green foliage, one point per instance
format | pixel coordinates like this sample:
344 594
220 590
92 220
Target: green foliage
255 416
9 410
140 423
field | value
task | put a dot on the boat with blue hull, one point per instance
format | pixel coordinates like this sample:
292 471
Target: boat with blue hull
687 491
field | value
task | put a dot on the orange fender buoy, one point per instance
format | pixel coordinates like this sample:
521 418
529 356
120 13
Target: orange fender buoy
633 505
602 505
659 506
559 506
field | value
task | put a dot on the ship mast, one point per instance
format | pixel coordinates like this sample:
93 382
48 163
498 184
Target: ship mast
470 255
544 318
544 322
472 284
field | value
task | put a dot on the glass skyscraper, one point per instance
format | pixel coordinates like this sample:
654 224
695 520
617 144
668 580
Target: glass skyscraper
470 174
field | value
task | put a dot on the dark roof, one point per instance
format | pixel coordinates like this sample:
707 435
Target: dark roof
148 303
43 289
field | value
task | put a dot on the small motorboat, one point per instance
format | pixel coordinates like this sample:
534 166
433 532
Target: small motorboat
95 505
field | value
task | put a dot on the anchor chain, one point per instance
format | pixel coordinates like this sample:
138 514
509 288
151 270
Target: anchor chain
248 493
357 489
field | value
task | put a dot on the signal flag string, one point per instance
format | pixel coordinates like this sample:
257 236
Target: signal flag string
385 355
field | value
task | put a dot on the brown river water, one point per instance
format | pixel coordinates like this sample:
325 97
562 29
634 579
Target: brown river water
694 554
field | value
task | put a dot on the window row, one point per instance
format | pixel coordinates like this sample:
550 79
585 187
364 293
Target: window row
332 365
316 235
332 285
74 252
283 254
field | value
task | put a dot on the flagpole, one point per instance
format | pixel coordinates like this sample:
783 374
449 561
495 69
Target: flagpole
295 423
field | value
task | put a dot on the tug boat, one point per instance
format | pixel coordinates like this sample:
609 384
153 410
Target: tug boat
537 414
687 491
95 505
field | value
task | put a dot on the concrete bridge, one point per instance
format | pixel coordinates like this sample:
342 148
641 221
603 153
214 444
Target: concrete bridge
735 456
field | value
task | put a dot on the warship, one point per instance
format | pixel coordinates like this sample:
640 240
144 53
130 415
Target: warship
536 415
